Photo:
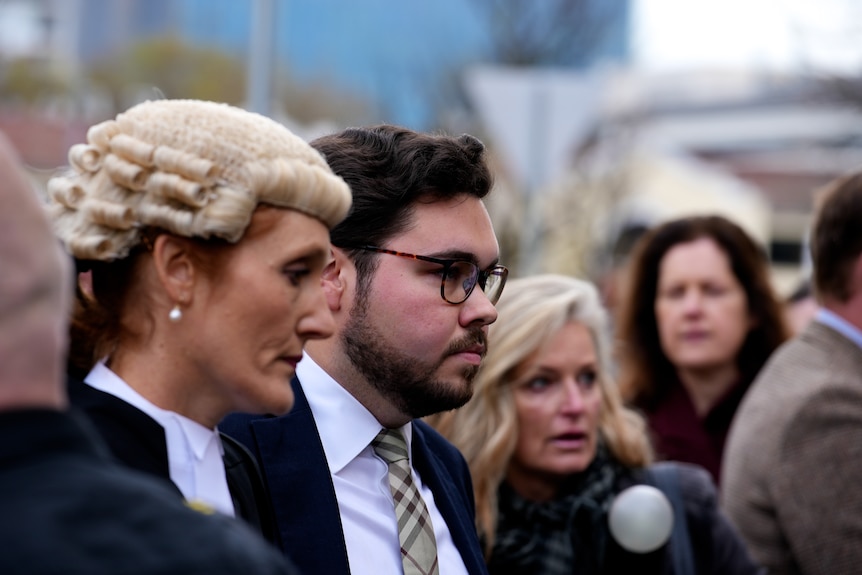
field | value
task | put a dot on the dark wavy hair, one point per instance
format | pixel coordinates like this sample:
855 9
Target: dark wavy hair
390 169
646 371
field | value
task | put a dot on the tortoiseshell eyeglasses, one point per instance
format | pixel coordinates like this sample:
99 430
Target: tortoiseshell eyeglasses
459 276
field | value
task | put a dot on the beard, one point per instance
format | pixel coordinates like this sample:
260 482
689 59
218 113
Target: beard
407 383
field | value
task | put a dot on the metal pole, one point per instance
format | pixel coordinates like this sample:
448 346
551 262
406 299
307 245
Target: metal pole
260 57
532 235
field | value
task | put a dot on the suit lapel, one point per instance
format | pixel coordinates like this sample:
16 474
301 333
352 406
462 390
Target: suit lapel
135 439
300 486
457 512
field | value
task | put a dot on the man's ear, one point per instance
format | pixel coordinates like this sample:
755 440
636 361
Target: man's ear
174 268
334 279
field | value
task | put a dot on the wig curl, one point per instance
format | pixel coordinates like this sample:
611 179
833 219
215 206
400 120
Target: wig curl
192 168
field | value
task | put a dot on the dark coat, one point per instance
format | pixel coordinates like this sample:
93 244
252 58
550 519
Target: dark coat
138 441
295 470
716 545
66 507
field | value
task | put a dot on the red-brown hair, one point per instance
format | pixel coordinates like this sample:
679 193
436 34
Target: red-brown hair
645 369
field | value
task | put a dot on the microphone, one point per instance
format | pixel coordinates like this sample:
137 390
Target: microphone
641 519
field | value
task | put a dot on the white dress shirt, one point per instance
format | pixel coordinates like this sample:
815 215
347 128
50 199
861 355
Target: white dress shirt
839 324
361 479
194 451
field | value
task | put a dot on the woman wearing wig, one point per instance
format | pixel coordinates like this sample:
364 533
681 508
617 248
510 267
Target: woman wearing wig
697 321
550 446
204 230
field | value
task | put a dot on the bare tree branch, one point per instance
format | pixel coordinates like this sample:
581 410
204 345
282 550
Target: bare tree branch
548 32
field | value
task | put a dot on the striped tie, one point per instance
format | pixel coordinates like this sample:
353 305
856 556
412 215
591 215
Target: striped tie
418 547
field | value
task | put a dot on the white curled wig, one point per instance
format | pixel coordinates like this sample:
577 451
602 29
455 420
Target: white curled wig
192 168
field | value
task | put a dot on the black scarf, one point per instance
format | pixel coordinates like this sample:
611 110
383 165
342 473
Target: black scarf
560 537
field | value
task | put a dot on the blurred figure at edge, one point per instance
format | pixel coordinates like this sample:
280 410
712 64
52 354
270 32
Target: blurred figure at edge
794 454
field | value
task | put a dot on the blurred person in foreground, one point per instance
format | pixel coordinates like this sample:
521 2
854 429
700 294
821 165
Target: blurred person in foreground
412 287
794 455
205 230
66 507
698 320
550 446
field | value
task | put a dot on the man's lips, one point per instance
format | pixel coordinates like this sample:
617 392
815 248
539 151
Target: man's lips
472 354
477 349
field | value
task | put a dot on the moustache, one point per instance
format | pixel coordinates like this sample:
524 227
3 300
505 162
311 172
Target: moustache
476 337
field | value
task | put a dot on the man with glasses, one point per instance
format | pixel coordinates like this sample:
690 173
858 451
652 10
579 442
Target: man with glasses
357 482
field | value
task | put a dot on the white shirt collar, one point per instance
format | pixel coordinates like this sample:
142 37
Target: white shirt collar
195 452
361 482
345 426
839 324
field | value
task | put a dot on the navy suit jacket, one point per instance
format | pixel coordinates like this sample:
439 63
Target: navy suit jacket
291 457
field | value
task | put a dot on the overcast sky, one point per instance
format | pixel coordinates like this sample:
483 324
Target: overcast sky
783 34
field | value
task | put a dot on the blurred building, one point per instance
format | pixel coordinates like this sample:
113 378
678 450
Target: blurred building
54 39
405 59
403 56
81 31
749 145
87 30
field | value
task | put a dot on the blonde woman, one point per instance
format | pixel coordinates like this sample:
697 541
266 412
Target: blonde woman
550 445
204 230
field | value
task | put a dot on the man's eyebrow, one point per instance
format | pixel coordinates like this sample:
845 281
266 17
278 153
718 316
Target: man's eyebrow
461 255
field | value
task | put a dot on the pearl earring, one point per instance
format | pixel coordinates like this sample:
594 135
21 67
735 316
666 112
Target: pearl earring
175 314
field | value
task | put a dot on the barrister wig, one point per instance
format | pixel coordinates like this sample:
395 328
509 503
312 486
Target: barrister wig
192 168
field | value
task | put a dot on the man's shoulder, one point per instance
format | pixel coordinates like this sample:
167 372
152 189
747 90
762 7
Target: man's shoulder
238 425
432 438
804 368
447 456
809 386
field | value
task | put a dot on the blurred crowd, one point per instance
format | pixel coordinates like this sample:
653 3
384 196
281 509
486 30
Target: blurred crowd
224 349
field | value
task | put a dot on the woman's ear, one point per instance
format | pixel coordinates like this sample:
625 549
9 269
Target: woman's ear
174 268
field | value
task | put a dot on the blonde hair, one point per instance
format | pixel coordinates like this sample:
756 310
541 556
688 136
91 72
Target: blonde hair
531 310
192 168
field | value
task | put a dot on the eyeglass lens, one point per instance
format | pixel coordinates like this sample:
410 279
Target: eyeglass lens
461 278
493 287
